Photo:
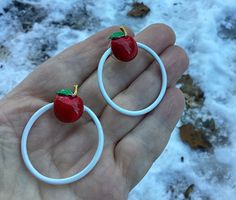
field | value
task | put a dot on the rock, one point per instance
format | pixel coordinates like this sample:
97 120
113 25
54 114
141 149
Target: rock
194 96
227 29
186 79
6 9
4 52
39 52
27 14
179 185
38 58
210 124
138 10
78 18
194 137
188 191
214 135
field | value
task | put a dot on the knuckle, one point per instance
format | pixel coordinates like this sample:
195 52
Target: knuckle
183 56
165 29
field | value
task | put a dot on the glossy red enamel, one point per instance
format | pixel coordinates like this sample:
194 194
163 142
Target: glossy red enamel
68 109
124 48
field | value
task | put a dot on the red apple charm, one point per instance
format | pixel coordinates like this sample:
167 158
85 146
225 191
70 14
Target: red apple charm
123 46
68 107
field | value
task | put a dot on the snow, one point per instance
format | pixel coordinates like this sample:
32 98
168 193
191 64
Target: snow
212 66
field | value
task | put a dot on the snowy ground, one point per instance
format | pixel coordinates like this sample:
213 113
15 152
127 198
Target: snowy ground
206 29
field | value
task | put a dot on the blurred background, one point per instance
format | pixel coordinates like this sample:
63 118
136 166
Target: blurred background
199 163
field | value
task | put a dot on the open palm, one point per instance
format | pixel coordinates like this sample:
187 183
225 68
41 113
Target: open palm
61 150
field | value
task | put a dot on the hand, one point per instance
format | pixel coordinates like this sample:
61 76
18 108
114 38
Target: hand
60 150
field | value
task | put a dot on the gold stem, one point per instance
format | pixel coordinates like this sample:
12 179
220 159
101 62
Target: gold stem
122 28
75 90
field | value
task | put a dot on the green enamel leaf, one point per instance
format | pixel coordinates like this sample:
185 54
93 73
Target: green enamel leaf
65 92
116 35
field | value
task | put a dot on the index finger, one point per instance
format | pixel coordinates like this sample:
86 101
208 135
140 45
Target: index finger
70 67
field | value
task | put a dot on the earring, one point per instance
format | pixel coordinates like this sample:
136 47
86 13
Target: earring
125 49
68 108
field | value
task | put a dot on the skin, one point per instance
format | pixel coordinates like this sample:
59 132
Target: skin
58 150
